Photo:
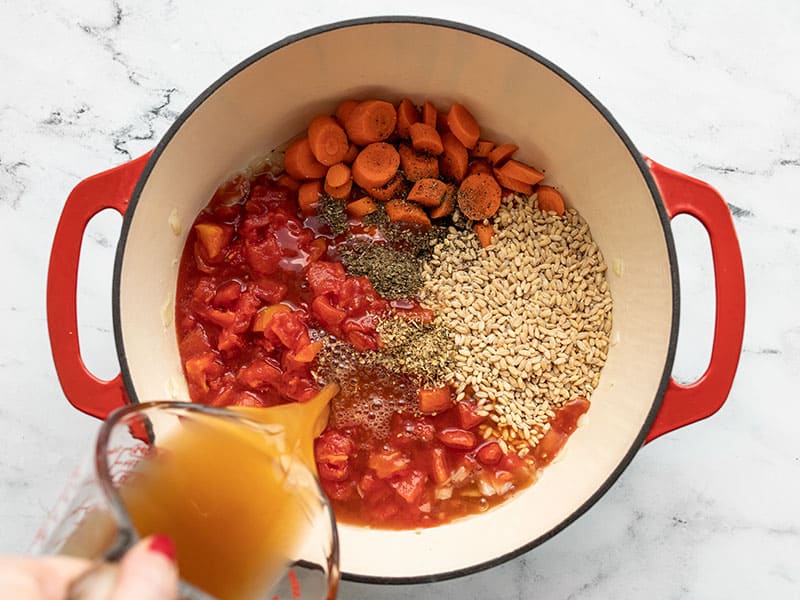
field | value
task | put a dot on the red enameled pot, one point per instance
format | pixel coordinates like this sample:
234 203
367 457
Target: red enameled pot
627 199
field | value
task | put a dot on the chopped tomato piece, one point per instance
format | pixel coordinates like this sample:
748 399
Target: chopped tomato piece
227 294
263 256
325 277
460 439
264 316
361 341
439 468
328 315
290 330
202 368
468 416
386 463
410 485
490 453
549 446
258 374
433 400
309 353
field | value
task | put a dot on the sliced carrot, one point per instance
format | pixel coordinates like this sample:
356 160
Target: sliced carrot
429 114
548 198
447 205
502 153
454 159
301 163
406 212
361 207
370 121
340 192
352 152
288 182
482 149
376 164
521 172
308 353
428 192
308 195
395 187
407 115
425 138
513 184
484 231
337 175
478 166
479 196
416 165
344 109
463 125
441 124
327 140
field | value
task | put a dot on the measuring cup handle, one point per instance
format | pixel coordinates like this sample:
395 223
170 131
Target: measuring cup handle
109 189
685 404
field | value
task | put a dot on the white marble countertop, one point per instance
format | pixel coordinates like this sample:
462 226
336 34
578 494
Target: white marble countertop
706 87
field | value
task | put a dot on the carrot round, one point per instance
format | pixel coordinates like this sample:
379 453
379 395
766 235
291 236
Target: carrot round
416 165
300 163
479 196
482 149
428 192
463 125
478 166
406 212
441 124
407 115
484 231
370 121
375 165
327 140
453 162
308 195
425 138
361 207
447 205
340 192
429 114
387 191
548 198
344 109
502 153
352 152
521 172
513 184
337 175
288 182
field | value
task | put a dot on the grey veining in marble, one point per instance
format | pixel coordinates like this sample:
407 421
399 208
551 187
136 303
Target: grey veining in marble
708 88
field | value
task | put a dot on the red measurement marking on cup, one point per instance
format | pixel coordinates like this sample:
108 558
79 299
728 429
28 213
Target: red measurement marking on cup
295 583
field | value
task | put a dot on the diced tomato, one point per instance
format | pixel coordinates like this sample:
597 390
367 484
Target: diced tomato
332 451
195 342
329 316
317 248
467 415
299 387
291 331
338 490
263 256
386 463
439 469
227 294
223 318
325 277
373 489
309 352
549 446
269 290
361 341
456 438
258 374
432 400
489 453
410 486
202 368
229 342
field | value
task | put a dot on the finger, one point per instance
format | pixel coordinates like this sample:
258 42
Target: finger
148 571
39 578
95 584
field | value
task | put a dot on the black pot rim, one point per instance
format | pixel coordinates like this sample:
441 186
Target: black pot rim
635 154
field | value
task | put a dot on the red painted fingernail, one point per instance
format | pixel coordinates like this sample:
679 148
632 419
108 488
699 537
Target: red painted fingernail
162 544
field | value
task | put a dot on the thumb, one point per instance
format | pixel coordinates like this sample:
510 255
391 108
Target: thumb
148 571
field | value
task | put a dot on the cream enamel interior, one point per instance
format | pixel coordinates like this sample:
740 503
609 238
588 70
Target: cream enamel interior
514 98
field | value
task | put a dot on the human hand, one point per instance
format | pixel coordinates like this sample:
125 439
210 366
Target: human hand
146 572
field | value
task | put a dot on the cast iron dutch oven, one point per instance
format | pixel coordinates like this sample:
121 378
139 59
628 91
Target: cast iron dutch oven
627 199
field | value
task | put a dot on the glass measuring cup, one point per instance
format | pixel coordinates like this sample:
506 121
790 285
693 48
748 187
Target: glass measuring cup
235 489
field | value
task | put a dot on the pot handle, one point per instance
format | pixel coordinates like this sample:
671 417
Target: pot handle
685 404
109 189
